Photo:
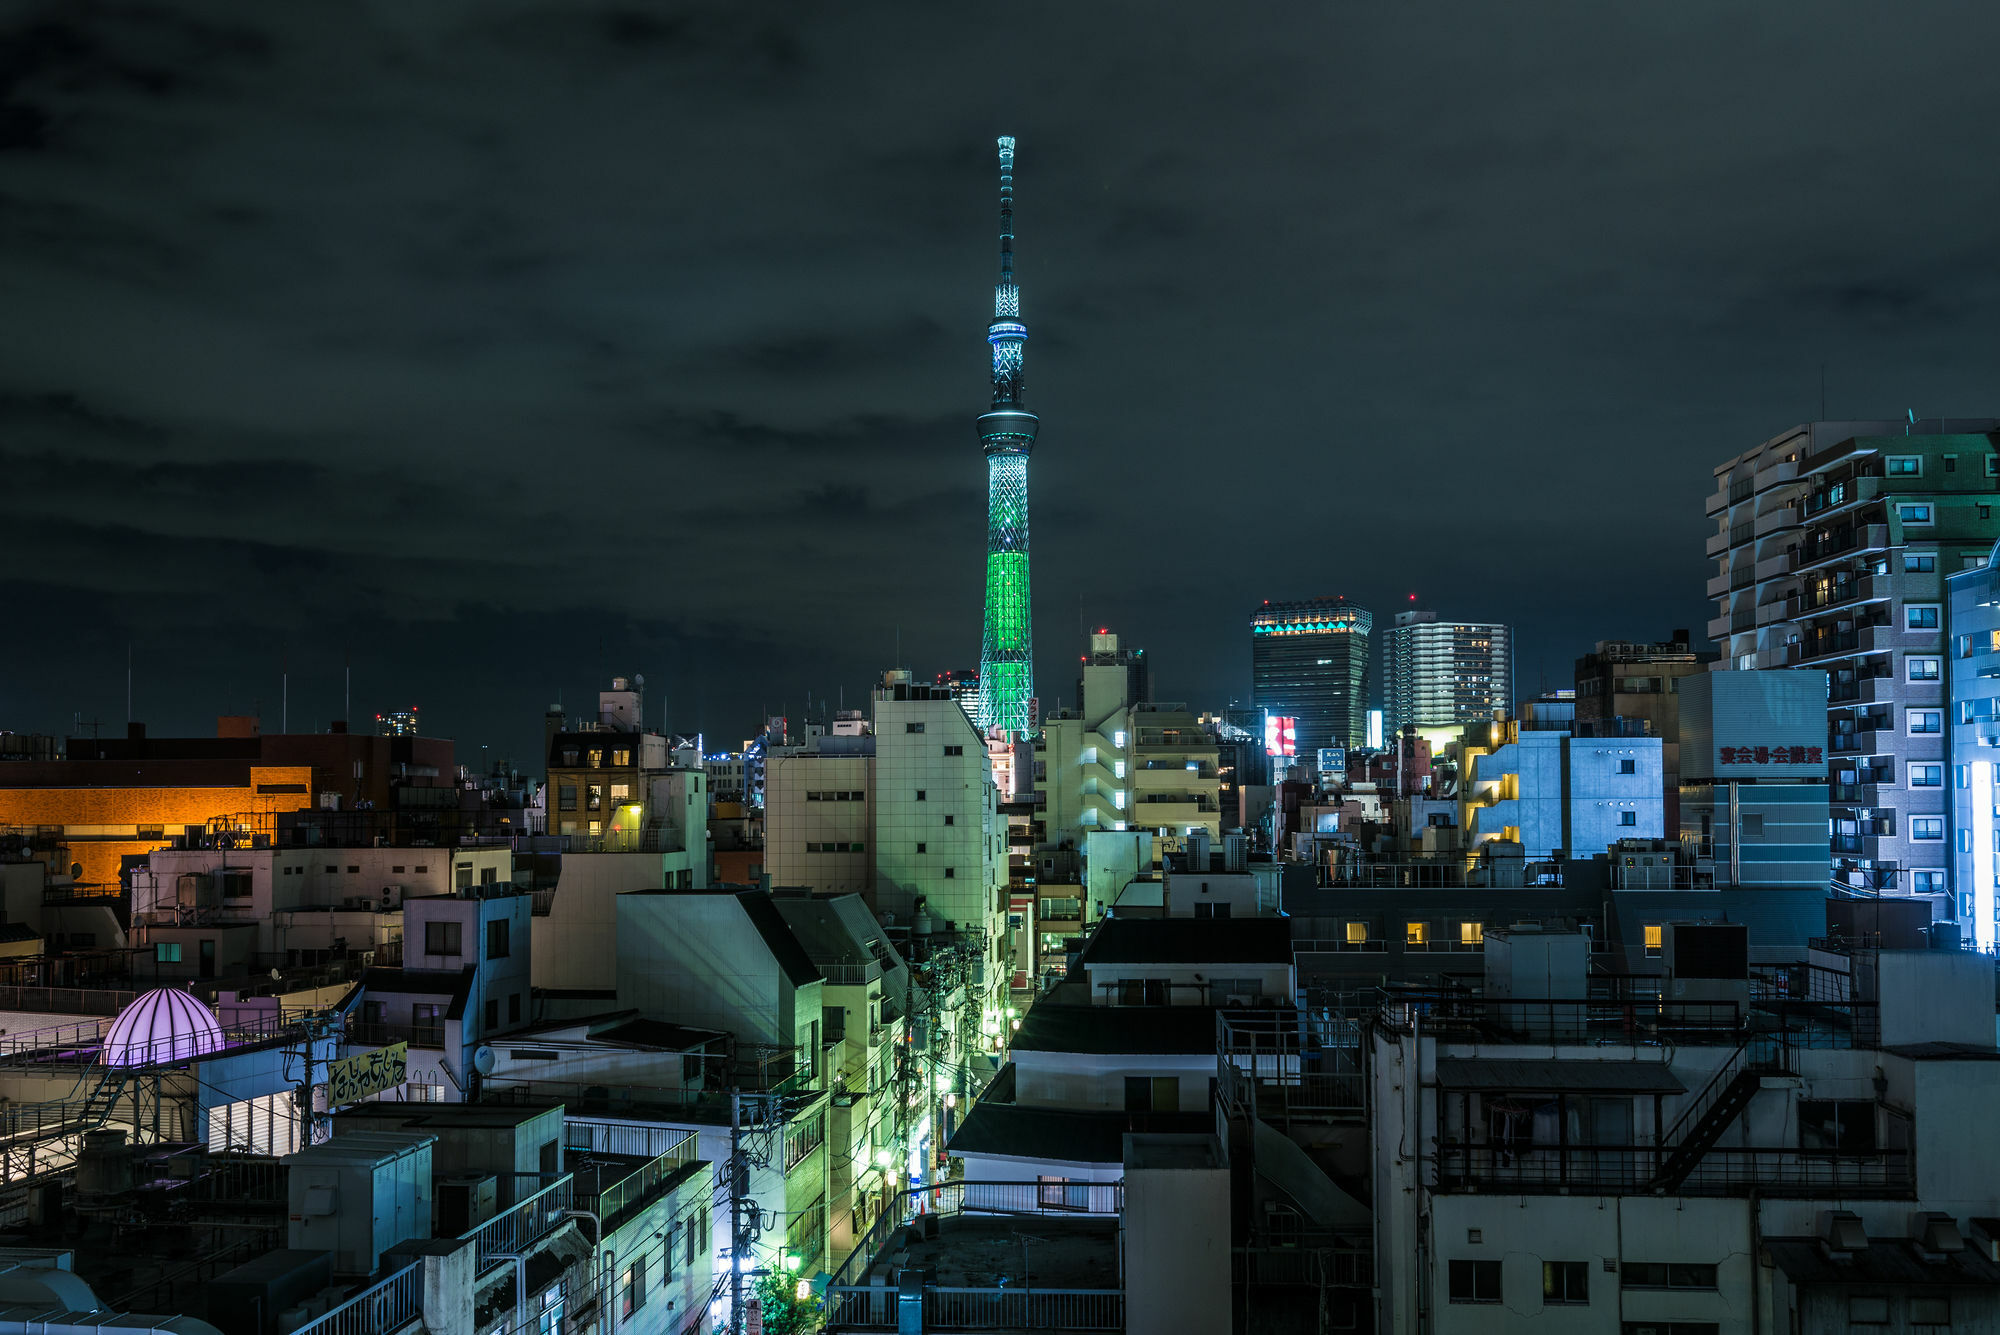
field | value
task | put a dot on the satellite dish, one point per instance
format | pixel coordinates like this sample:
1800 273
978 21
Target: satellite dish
639 680
75 870
275 975
482 1059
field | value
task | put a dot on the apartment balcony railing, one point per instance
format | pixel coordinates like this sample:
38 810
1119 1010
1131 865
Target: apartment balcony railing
383 1308
58 896
850 974
1825 546
1623 1169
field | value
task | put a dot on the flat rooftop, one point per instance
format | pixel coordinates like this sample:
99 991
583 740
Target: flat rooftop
979 1251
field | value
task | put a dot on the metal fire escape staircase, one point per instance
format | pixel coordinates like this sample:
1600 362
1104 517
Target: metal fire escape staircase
1712 1111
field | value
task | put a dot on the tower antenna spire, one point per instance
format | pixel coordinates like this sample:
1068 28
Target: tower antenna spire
1007 429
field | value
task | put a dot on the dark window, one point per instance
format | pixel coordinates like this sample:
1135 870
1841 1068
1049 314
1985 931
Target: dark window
1132 992
1655 1275
514 1009
913 727
1867 1309
1837 1126
354 871
1930 1311
1628 818
395 871
1565 1282
568 799
496 939
1628 766
951 873
1475 1281
632 1286
948 820
920 797
1211 910
954 750
441 938
1138 1094
493 1012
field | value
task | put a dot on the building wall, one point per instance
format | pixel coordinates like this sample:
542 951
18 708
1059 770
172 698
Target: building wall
938 831
697 960
800 828
1091 1080
580 931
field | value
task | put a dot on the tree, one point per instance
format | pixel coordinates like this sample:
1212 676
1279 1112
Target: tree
784 1312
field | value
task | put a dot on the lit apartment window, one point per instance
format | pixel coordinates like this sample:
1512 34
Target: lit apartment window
167 952
1921 669
1118 769
621 759
1471 933
1926 827
1904 466
1118 740
1357 933
1118 799
1565 1282
1418 933
1654 938
1926 720
1921 616
1916 514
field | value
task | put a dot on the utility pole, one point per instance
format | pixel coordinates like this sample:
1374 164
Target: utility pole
738 1172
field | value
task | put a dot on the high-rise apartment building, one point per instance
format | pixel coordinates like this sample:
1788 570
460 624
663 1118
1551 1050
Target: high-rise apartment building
1832 542
1309 661
1444 674
1625 689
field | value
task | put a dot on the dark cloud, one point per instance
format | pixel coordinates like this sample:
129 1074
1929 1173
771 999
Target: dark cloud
498 345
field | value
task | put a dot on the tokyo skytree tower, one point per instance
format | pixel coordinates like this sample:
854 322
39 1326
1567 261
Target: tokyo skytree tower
1007 653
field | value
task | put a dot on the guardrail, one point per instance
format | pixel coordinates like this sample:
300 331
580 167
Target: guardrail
382 1309
380 1034
515 1230
1631 1168
630 1191
65 1000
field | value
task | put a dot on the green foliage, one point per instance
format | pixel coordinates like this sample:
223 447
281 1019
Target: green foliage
784 1313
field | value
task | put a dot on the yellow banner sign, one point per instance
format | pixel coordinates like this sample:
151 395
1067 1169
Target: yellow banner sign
352 1079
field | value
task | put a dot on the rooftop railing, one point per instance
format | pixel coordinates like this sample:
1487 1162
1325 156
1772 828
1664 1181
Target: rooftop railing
614 1201
876 1307
954 1198
383 1308
515 1230
1622 1169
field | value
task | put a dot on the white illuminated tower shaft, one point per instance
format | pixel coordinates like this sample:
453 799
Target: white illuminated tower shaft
1007 651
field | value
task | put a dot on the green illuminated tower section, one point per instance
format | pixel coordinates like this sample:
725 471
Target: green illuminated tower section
1007 653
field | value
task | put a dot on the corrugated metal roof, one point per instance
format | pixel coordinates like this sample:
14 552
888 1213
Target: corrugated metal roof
1625 1077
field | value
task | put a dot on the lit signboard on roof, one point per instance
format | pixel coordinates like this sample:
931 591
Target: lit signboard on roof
1281 735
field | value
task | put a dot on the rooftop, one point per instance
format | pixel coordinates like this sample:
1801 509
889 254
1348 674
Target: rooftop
1062 1135
1116 1029
1035 1251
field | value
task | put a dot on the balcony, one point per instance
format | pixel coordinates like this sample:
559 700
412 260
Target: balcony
611 1200
1820 548
1772 521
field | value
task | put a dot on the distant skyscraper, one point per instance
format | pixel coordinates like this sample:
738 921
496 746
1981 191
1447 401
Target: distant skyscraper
963 683
1309 660
1441 674
1007 651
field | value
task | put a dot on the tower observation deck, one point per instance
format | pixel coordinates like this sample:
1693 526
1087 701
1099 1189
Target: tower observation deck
1007 429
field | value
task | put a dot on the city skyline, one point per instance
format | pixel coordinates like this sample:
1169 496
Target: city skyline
538 379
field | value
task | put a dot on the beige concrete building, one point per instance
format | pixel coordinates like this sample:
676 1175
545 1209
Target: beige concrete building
1120 763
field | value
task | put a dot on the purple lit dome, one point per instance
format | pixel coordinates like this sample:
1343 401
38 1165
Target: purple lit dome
164 1025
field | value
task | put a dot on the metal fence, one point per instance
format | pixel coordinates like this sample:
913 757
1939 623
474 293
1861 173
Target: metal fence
875 1308
381 1309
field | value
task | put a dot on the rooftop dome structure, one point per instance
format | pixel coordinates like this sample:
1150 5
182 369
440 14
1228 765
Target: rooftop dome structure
163 1025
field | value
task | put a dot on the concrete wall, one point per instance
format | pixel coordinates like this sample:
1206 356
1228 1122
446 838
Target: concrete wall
1177 1260
1601 796
795 823
698 960
580 932
1097 1080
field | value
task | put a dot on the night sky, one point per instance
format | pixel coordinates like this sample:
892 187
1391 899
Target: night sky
496 347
